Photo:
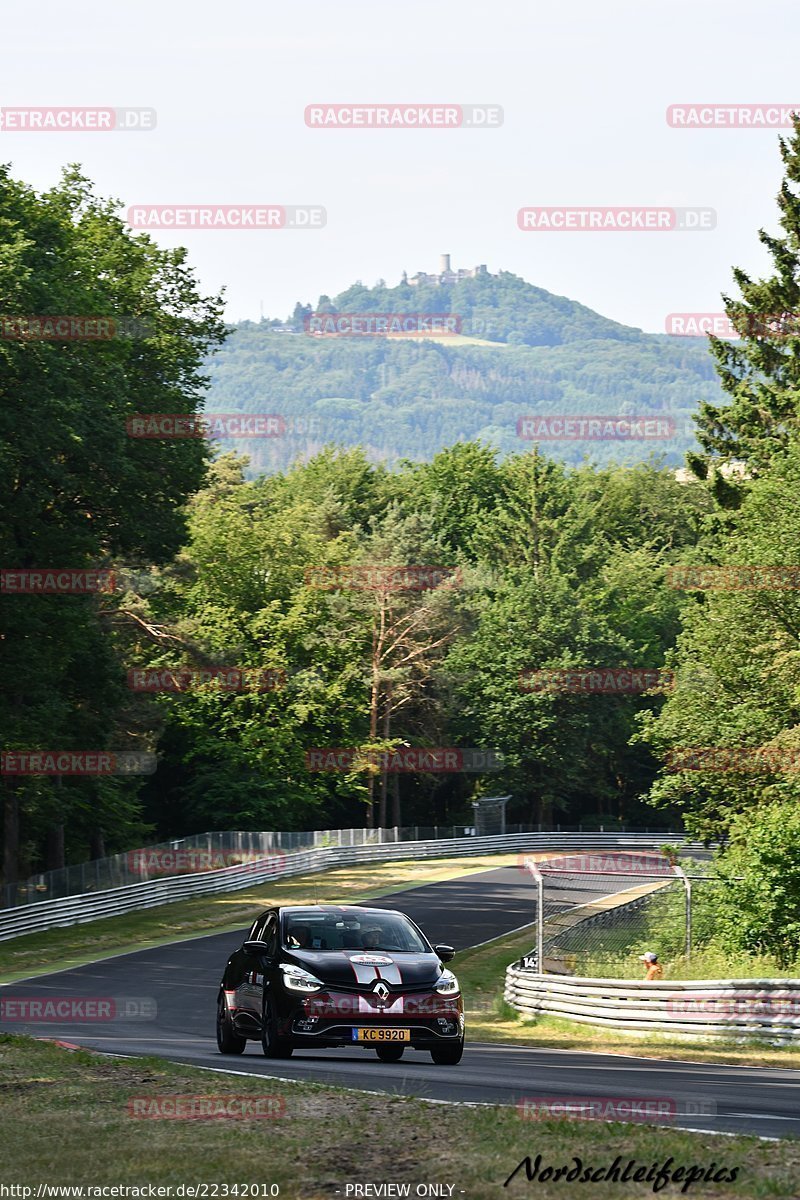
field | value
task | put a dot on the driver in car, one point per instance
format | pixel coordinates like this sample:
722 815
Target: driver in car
372 938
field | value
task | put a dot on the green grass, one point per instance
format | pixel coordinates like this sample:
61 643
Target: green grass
55 949
706 962
66 1116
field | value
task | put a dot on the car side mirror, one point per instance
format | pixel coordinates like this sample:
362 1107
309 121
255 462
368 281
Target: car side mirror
446 953
253 946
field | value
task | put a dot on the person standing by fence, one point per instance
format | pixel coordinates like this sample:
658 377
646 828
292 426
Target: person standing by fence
654 968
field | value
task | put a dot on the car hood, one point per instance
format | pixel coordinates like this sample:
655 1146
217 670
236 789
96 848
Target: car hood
351 968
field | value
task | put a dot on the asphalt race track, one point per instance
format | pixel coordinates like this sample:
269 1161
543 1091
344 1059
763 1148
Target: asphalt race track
182 980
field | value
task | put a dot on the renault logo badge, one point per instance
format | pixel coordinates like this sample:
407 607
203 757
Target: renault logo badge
381 991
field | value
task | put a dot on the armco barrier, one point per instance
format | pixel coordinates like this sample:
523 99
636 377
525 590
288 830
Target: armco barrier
76 910
730 1008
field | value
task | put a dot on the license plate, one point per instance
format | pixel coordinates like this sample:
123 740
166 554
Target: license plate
381 1035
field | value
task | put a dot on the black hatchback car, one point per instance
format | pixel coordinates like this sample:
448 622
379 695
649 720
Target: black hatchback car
320 976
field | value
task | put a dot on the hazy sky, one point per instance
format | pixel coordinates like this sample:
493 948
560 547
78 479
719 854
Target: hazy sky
584 88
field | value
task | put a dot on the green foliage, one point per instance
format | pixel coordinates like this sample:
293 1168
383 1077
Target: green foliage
79 491
760 374
556 568
760 912
736 662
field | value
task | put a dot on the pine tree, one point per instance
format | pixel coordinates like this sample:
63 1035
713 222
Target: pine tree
761 372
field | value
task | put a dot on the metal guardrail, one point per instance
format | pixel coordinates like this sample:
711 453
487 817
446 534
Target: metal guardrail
227 847
76 910
730 1008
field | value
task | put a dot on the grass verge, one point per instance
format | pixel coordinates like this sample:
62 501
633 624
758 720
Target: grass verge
76 944
481 973
66 1115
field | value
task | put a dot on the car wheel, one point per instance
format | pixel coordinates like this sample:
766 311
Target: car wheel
228 1040
389 1053
273 1045
448 1056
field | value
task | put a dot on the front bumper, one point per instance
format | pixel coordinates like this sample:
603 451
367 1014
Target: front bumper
330 1019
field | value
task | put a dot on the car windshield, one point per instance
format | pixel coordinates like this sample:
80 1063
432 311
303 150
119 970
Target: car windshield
367 932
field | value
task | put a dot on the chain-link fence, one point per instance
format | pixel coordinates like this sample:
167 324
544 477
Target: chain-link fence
600 913
490 815
213 851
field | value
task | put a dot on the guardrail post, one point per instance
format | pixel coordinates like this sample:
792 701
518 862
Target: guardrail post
540 923
687 888
530 865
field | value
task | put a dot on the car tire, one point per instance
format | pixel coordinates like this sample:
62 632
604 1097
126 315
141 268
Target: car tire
273 1045
448 1056
389 1054
228 1040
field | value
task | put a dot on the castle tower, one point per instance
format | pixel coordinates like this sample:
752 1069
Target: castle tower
444 264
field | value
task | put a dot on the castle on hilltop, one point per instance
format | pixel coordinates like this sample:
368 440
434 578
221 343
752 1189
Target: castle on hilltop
446 274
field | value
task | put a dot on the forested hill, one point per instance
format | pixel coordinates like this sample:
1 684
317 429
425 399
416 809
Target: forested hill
522 351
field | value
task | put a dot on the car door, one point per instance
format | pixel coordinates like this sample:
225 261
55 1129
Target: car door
266 964
249 988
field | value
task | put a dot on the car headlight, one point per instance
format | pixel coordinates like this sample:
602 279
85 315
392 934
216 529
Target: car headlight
295 979
447 984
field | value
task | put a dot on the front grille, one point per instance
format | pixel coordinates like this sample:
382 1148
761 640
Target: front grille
366 989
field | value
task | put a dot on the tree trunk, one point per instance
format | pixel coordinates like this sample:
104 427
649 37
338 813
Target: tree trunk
387 716
396 814
10 835
373 722
54 851
97 844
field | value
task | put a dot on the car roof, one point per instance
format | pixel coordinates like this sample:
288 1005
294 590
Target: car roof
336 910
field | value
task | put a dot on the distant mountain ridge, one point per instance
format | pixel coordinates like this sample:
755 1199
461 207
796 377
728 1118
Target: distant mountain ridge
526 351
500 307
